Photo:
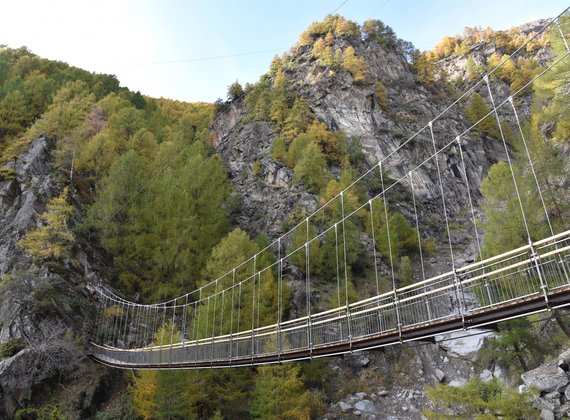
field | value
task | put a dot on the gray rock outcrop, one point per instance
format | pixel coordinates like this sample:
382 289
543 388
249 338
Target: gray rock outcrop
45 306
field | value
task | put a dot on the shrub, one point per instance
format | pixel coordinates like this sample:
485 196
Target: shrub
480 400
44 413
12 347
256 168
381 96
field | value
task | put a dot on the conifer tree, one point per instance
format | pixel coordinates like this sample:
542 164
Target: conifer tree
53 238
310 170
355 65
279 393
298 119
475 113
13 114
235 91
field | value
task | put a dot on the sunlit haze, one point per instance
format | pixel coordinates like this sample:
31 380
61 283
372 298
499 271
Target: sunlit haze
192 50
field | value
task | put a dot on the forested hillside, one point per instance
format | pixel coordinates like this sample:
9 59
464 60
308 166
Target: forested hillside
157 197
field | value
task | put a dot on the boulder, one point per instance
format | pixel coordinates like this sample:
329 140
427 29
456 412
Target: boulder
365 405
486 375
547 415
465 344
344 406
546 378
439 375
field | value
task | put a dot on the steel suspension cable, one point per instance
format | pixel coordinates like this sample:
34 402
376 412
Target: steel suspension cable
387 226
521 206
471 205
417 226
523 137
374 248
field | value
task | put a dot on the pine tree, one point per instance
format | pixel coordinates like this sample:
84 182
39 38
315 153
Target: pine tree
53 238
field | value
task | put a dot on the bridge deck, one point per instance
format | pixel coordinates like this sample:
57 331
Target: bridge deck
527 280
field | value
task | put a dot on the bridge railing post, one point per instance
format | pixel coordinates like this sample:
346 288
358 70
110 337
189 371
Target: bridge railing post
398 317
535 262
349 326
459 296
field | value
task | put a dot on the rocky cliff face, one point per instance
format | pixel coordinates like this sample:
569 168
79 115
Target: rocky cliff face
45 306
270 197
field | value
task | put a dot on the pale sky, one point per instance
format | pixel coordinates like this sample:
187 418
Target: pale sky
192 50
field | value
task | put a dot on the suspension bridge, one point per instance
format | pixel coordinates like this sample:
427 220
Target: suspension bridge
220 323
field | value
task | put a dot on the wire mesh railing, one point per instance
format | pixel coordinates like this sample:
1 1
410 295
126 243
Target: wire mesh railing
532 273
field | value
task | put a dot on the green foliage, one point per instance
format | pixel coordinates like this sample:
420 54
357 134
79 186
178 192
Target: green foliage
476 110
258 100
311 168
11 347
256 167
381 95
232 250
299 257
13 114
333 145
44 413
504 225
53 239
279 393
550 92
120 408
405 271
422 65
517 346
480 400
67 111
7 173
403 237
295 152
474 70
376 30
279 150
298 119
164 394
235 91
333 24
355 65
133 227
27 86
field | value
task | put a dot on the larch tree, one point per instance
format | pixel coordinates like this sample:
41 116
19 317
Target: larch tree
53 238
